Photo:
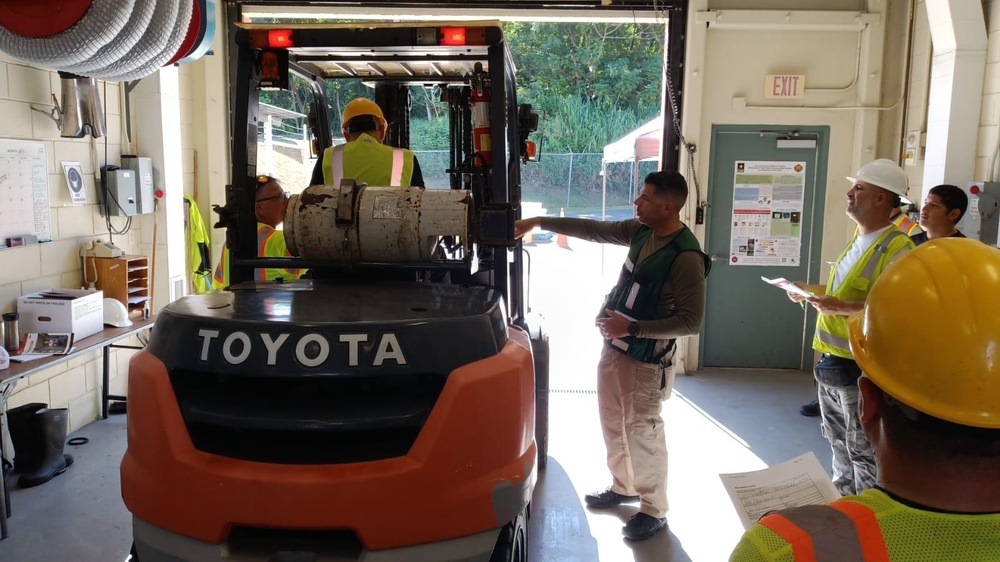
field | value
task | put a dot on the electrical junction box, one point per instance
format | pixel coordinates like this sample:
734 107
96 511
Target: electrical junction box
143 168
982 218
118 193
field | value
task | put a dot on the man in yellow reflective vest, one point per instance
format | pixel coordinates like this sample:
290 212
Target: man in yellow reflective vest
875 191
270 210
930 405
364 158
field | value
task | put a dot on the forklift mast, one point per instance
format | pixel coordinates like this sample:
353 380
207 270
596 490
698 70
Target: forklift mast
390 58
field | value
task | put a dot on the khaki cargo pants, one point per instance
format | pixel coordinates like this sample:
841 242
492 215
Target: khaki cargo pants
630 398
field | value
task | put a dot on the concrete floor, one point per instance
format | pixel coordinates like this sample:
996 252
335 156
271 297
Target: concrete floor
717 421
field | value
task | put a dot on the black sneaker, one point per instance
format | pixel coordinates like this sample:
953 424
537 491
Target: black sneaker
607 498
642 526
811 409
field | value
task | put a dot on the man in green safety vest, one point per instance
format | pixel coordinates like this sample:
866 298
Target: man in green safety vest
875 191
659 297
364 158
930 405
270 211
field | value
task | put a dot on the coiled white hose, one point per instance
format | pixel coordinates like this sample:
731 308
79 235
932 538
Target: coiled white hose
100 25
175 34
124 47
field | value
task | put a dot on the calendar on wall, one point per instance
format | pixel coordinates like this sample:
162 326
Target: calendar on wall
24 190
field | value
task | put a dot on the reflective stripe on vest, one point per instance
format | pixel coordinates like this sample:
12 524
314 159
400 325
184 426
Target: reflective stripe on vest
264 234
337 165
843 531
905 223
221 277
397 167
837 342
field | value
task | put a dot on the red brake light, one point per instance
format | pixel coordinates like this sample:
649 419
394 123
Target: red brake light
453 36
279 38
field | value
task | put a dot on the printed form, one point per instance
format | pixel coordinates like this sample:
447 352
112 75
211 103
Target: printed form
800 481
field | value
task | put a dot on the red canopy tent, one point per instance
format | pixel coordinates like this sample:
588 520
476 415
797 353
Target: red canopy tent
640 145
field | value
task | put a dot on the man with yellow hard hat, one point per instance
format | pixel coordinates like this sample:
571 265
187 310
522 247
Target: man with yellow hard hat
364 158
930 405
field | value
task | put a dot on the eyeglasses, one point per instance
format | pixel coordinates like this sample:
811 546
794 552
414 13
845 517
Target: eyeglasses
282 195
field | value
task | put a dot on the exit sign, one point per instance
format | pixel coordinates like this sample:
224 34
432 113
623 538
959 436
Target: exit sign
784 85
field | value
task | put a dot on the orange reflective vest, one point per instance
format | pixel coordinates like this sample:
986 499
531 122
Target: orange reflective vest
822 533
906 224
270 243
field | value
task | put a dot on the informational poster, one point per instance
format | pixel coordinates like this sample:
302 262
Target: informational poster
24 190
767 213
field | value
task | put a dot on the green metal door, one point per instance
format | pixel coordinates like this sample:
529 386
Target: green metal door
764 220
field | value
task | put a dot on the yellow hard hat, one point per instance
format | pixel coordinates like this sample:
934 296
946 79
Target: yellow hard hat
361 106
949 366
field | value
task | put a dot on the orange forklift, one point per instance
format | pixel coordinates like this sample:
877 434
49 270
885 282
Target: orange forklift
392 406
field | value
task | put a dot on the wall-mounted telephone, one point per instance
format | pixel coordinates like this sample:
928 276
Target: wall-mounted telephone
100 249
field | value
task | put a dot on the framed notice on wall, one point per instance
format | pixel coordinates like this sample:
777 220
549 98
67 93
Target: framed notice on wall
24 190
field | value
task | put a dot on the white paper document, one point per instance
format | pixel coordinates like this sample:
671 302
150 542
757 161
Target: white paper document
787 285
46 344
800 481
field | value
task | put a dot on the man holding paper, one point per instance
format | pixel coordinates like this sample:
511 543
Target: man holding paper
659 297
930 404
875 191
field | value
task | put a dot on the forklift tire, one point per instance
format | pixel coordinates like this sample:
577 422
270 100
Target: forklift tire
512 544
540 353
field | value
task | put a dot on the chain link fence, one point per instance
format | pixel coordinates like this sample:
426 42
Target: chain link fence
570 181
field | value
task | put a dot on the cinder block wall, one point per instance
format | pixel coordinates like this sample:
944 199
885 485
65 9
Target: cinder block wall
73 384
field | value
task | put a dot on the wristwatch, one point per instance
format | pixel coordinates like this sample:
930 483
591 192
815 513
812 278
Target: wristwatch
633 329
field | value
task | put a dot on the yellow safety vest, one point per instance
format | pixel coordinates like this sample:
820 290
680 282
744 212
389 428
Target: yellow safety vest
831 330
365 160
270 243
198 249
869 527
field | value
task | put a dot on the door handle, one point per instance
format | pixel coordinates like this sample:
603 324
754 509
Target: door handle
716 257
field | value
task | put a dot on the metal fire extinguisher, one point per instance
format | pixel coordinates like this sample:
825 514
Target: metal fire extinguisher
479 99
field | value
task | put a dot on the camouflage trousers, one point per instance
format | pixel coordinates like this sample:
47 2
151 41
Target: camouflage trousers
853 462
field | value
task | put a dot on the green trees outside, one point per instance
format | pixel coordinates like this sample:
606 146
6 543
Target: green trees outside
591 84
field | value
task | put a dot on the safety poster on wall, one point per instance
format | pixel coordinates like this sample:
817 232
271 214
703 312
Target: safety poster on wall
767 213
24 190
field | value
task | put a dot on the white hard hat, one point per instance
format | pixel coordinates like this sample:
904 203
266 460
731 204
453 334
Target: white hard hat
115 313
886 174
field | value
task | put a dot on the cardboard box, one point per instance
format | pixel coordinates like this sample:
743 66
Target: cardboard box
62 311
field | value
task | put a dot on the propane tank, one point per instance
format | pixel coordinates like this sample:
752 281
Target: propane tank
386 224
479 99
